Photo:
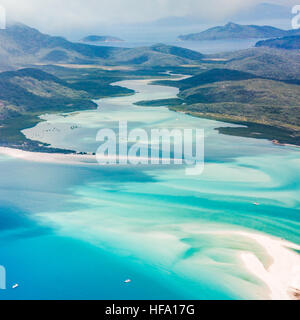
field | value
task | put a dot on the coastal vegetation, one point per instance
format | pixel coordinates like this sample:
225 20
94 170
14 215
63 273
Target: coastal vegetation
25 94
269 108
266 62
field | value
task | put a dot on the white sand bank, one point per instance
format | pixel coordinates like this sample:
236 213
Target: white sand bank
49 157
72 159
283 275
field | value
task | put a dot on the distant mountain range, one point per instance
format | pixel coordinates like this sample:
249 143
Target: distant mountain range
94 38
236 31
21 45
288 43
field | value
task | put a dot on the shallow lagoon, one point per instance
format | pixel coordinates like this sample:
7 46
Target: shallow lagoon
87 229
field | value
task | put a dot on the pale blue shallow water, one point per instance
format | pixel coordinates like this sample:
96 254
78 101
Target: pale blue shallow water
205 47
77 232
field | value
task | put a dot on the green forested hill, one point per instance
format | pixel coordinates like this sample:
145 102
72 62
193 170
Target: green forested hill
27 93
267 62
31 89
240 97
287 43
22 45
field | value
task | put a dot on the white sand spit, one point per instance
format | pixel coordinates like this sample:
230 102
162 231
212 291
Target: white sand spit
283 275
49 157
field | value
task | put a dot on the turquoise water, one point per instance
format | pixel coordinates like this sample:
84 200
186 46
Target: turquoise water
77 232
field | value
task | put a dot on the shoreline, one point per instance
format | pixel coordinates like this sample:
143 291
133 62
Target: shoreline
42 148
282 276
240 124
43 157
78 158
276 142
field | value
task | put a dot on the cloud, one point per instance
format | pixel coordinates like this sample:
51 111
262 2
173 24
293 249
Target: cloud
59 16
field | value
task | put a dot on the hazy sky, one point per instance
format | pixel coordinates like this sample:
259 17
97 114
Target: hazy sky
58 15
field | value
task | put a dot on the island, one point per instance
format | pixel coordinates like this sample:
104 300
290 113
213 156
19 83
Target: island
237 31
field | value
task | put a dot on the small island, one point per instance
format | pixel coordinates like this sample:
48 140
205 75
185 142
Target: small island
237 31
95 38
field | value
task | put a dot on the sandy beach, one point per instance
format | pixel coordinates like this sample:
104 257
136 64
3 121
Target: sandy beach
73 159
283 275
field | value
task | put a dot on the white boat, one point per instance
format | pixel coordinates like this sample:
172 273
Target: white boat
15 286
127 281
